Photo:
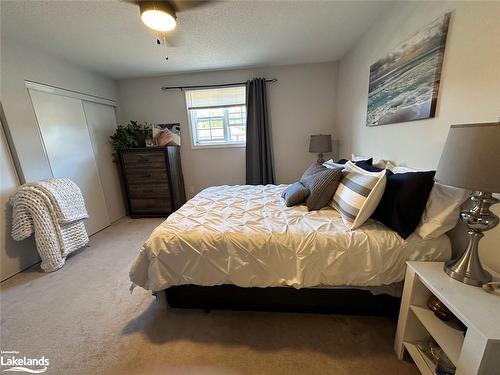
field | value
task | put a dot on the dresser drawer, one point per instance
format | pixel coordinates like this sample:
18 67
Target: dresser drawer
146 175
143 160
148 190
151 205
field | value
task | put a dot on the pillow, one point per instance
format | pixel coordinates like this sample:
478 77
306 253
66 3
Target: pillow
400 168
331 164
365 164
404 201
321 184
376 162
315 167
367 161
358 194
294 194
369 167
442 211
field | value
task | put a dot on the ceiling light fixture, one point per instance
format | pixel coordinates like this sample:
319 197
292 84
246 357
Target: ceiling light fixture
158 15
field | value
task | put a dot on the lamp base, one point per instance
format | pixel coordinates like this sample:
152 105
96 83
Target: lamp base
467 271
467 268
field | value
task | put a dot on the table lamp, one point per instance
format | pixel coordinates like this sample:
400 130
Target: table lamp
320 144
471 160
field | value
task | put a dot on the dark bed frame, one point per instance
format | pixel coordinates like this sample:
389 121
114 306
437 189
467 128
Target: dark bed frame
317 300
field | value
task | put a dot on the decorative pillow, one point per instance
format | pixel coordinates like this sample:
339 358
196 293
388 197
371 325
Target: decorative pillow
370 168
442 211
294 194
312 169
321 184
376 162
358 194
404 201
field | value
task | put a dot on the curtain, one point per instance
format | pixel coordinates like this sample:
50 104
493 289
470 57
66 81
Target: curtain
259 156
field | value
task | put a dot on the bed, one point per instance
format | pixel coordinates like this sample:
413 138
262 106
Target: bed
244 236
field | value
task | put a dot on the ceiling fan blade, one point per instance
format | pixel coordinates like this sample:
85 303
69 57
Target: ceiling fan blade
183 5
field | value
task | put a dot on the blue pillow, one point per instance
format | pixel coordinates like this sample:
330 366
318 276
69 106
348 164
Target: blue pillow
294 194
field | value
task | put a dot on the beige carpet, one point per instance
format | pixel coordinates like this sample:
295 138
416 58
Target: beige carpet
85 321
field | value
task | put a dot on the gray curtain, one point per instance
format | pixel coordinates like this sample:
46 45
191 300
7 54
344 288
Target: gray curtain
259 154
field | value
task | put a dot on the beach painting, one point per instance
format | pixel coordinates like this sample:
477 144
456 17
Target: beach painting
404 84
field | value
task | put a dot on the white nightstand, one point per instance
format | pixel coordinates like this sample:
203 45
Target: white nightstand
476 353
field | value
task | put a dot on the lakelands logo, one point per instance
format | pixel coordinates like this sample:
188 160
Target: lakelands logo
17 363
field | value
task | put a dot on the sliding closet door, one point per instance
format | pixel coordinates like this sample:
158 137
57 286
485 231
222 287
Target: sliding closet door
64 132
101 121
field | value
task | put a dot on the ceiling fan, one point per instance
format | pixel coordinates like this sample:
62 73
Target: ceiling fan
161 15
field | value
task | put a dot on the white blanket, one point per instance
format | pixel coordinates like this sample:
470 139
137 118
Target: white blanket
54 211
246 236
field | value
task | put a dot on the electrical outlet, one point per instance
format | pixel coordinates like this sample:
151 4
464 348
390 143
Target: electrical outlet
191 189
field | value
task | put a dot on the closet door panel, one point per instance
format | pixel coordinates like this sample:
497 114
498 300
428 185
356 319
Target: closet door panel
66 139
101 121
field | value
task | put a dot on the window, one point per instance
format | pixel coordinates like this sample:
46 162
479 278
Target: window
218 117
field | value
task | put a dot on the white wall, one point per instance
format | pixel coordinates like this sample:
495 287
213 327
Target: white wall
300 105
18 64
469 90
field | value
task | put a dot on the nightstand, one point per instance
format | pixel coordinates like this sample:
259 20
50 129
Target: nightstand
476 352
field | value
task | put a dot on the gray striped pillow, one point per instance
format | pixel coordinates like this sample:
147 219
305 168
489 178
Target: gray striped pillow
358 194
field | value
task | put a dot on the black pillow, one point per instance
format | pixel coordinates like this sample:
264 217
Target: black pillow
404 200
369 167
367 161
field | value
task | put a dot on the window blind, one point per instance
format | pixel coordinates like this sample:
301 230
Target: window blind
214 98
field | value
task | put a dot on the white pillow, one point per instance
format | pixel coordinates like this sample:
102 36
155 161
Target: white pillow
332 165
376 162
399 168
358 194
442 210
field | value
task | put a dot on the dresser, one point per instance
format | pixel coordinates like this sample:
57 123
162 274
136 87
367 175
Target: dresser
475 352
152 181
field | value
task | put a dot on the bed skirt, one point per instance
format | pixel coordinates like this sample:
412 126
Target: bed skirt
317 300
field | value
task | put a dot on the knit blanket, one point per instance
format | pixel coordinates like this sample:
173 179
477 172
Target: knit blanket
54 210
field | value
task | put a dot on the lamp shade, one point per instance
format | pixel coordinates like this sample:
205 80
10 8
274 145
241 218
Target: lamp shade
471 158
320 143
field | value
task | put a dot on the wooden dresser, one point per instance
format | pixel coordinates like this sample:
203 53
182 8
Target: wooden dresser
152 180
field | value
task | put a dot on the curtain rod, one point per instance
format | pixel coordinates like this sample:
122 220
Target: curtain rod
208 86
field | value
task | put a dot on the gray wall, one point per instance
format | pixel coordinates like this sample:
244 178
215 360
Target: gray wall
301 103
469 90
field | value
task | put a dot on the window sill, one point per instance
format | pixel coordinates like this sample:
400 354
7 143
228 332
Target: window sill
226 145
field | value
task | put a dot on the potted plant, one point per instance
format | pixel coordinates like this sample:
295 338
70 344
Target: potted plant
132 135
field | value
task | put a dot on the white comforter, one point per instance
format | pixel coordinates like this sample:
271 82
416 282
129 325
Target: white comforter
246 236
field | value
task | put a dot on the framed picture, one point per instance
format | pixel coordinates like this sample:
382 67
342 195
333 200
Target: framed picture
404 84
167 134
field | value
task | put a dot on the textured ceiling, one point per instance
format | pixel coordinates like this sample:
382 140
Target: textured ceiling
109 37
